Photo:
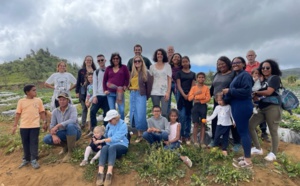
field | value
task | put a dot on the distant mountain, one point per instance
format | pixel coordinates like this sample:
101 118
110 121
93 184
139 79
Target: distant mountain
292 71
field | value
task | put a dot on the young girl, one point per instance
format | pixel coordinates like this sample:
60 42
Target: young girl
95 145
29 111
225 119
199 93
89 93
174 136
257 85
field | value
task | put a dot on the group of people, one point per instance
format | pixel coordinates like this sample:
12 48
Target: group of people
104 88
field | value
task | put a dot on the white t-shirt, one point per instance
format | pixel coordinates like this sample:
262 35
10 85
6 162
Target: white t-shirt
62 83
224 115
160 79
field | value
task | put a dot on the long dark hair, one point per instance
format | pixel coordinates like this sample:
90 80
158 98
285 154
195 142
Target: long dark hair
111 59
274 67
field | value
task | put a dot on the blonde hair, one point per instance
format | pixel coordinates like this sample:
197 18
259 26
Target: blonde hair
99 129
143 68
59 63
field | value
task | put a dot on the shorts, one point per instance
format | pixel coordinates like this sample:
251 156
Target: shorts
199 111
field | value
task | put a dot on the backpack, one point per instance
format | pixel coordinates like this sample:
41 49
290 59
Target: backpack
289 100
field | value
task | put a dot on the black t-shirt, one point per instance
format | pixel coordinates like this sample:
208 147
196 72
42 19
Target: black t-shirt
274 82
186 80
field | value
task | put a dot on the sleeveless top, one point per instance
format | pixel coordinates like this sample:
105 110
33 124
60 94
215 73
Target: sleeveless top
173 131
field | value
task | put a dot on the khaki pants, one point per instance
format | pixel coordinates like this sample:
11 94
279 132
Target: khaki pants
272 115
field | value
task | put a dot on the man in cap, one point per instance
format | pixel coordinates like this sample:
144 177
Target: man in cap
64 127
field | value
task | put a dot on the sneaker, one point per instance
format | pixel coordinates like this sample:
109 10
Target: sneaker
203 146
188 141
236 147
100 178
255 151
196 145
211 144
108 179
236 160
188 161
139 139
92 161
255 111
224 152
83 163
242 164
35 164
270 157
24 163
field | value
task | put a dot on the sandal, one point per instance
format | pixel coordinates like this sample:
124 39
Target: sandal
188 161
236 160
242 164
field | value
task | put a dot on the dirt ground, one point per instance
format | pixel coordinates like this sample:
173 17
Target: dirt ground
67 174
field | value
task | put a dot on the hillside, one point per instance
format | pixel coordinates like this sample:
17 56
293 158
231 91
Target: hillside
36 66
291 72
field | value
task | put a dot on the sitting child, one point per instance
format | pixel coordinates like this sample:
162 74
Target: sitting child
174 136
95 145
225 119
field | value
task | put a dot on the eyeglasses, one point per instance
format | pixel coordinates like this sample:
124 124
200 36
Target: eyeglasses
100 60
265 68
137 61
115 58
156 110
236 63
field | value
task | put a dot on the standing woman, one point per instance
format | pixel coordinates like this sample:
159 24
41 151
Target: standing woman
140 89
239 96
222 79
175 63
269 110
115 82
162 73
61 81
185 79
88 66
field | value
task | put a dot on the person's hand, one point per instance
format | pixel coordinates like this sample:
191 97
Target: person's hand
150 129
225 90
14 129
106 92
167 96
167 142
234 125
56 139
87 104
53 130
185 97
125 88
95 100
255 98
77 95
99 147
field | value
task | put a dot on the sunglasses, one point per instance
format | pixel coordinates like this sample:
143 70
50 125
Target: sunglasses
116 58
137 61
236 63
100 60
265 68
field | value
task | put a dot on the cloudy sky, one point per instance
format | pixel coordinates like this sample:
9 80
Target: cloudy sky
200 29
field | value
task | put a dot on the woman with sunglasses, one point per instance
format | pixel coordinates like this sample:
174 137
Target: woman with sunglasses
239 96
115 82
140 89
88 66
269 107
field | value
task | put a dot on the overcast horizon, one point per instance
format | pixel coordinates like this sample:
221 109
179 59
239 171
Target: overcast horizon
202 30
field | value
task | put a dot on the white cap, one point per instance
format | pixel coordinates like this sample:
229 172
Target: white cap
111 115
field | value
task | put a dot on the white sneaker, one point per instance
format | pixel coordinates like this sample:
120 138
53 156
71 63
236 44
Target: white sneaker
270 157
92 161
255 111
255 151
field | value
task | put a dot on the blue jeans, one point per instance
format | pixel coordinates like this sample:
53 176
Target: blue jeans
185 120
152 137
173 145
138 110
102 103
109 154
111 98
176 94
71 130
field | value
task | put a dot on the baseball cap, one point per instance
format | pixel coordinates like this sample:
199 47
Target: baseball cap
111 115
63 94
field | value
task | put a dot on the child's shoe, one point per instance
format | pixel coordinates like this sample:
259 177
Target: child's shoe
196 145
236 147
188 161
92 161
35 164
188 141
24 163
254 110
224 152
83 163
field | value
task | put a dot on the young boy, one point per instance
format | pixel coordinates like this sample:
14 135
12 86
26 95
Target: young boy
29 111
158 127
199 93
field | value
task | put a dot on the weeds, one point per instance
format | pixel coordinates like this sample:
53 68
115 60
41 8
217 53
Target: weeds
285 164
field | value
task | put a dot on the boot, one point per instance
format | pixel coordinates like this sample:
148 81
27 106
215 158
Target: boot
71 144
